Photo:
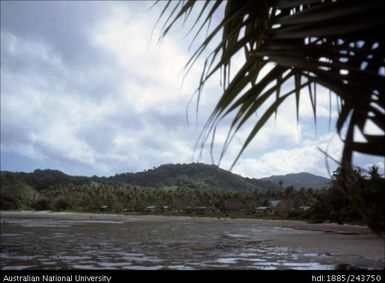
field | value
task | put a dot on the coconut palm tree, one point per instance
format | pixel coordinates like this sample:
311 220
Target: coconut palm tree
337 44
374 172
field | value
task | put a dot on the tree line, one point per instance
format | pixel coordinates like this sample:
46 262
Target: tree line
328 204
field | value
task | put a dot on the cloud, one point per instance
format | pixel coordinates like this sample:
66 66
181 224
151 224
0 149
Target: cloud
120 112
61 26
85 89
304 158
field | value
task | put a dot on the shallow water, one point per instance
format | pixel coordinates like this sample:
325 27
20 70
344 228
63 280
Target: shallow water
46 242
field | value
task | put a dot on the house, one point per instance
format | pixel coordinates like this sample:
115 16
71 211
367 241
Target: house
166 208
279 207
274 203
151 208
275 207
234 206
104 207
262 209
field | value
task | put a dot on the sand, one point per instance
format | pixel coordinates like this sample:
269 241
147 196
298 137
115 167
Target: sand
181 242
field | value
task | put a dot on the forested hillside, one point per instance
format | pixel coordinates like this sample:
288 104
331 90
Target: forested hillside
191 176
185 189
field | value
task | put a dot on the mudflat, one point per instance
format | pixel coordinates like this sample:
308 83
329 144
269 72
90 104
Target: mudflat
66 240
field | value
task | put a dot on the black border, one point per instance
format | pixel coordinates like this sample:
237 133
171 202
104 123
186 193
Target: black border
216 275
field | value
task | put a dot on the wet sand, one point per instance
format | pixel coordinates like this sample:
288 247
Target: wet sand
54 240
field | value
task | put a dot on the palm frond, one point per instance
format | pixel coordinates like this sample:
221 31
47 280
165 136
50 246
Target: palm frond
336 44
339 45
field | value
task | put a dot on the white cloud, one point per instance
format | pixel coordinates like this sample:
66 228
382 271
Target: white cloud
131 121
126 35
17 46
303 158
110 99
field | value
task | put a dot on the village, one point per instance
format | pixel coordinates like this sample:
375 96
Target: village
273 208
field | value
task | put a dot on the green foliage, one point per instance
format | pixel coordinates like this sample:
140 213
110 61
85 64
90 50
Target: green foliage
61 203
41 203
93 196
334 205
15 193
191 176
118 197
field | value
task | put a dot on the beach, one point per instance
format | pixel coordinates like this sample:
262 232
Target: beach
68 240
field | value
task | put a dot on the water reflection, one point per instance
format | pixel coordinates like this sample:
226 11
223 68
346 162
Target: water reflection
118 244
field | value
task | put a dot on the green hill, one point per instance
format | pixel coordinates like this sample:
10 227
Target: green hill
20 190
191 176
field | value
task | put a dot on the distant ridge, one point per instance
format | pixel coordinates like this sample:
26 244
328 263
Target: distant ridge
189 176
299 180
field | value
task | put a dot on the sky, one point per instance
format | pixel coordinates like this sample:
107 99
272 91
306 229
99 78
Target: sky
86 88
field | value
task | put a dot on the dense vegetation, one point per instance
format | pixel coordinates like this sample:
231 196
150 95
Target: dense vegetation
334 205
183 189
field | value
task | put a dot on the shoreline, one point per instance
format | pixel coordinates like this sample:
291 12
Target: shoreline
287 223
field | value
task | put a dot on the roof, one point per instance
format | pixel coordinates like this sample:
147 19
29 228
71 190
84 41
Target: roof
274 203
262 207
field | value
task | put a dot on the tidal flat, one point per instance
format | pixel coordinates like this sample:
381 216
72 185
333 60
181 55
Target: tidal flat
64 240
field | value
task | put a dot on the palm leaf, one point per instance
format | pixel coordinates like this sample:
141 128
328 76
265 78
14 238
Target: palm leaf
339 45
